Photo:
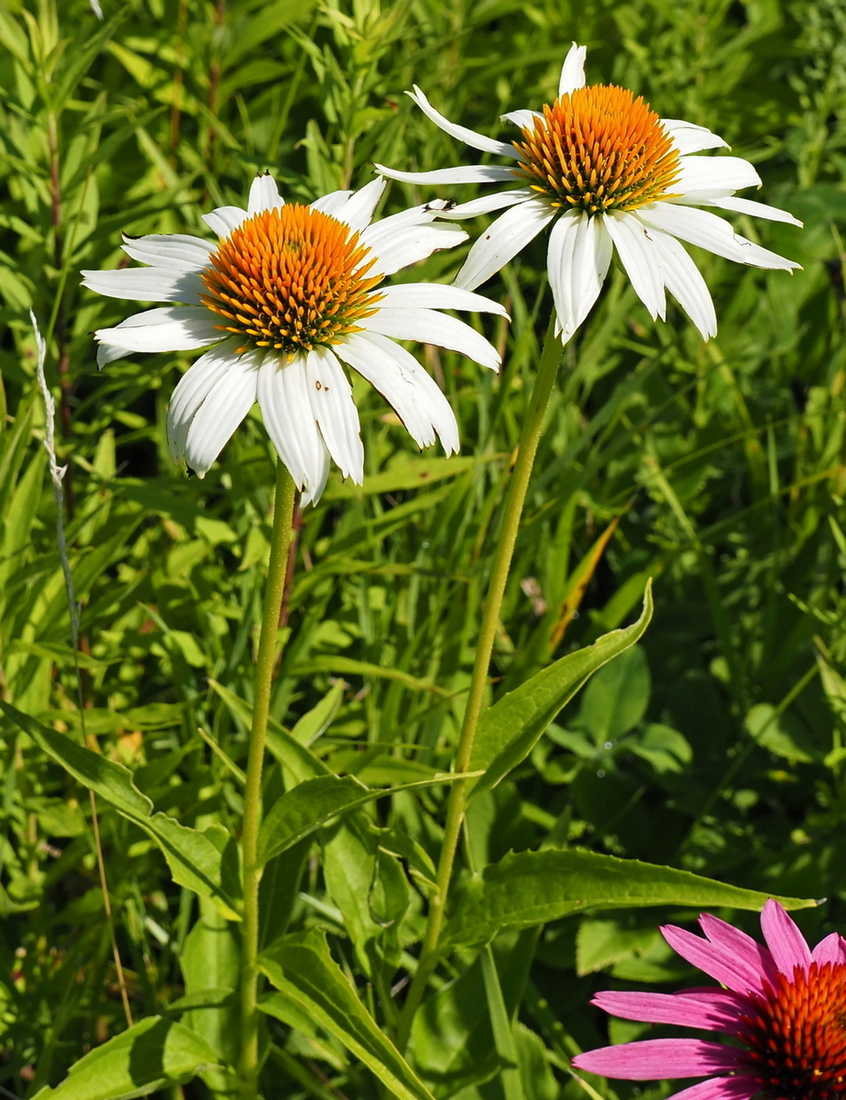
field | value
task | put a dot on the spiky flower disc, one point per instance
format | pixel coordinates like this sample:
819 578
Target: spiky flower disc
291 279
598 149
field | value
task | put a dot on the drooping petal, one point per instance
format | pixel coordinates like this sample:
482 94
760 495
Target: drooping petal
222 410
357 212
737 943
285 402
655 1059
832 949
486 203
312 493
719 1088
146 284
755 209
430 327
503 240
174 250
632 241
706 230
191 391
264 195
461 133
436 296
713 959
470 173
225 219
723 173
168 328
787 944
684 281
689 138
669 1008
573 70
522 118
579 255
397 249
335 412
397 375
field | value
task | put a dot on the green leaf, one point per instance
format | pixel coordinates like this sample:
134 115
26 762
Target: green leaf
510 729
616 699
205 862
535 887
310 981
151 1055
312 803
300 761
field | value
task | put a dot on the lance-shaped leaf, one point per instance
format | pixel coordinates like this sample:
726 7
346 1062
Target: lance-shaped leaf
152 1055
204 861
534 887
510 729
311 985
312 803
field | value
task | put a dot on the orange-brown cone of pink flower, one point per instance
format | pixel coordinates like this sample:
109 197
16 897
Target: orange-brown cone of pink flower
783 1005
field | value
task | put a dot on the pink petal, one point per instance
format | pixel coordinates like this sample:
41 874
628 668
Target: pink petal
832 949
655 1059
722 934
784 939
714 960
668 1008
719 1088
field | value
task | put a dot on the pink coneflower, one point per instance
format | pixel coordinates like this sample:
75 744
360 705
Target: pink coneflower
783 1005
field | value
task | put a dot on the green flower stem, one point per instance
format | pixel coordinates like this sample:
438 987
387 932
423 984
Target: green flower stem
267 656
529 439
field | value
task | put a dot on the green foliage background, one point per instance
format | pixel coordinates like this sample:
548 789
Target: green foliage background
714 746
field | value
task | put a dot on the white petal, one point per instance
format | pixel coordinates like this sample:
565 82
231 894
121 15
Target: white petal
436 296
264 195
579 255
397 375
632 241
573 70
224 407
407 246
689 138
503 240
107 353
332 202
756 209
724 173
357 212
487 203
283 394
191 391
335 412
174 250
469 137
471 173
430 327
314 492
225 219
684 281
145 284
706 230
169 328
523 118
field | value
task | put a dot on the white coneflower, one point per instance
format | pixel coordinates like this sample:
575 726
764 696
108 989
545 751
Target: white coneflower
286 295
605 172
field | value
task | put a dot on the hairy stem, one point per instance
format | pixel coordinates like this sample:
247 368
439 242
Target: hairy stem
529 439
267 653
